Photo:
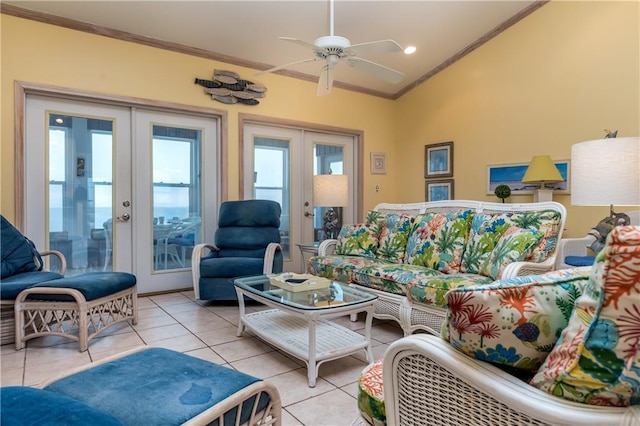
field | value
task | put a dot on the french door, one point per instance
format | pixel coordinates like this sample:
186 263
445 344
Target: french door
119 188
280 163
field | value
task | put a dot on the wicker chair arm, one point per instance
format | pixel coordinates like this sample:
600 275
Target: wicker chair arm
198 251
327 247
269 255
527 268
426 381
572 247
60 256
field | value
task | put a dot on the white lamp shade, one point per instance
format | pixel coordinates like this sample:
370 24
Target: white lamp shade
606 172
331 190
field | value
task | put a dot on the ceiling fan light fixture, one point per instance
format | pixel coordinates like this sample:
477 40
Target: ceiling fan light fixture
410 50
334 49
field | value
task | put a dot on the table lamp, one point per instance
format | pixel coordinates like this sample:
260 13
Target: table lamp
542 170
331 191
605 172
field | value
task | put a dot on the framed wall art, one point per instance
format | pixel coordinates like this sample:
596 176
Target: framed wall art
512 174
438 160
438 190
378 163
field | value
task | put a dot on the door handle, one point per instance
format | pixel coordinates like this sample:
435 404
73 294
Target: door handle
125 217
307 214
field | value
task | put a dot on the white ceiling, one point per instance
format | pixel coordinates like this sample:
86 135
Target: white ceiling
246 32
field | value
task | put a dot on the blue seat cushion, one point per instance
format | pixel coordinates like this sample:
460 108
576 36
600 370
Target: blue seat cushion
579 260
29 406
157 386
229 267
11 286
92 285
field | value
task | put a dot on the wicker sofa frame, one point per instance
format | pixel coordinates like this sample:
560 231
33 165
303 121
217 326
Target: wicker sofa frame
428 382
413 317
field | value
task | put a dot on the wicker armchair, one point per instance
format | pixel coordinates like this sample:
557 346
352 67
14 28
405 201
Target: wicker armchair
579 246
428 382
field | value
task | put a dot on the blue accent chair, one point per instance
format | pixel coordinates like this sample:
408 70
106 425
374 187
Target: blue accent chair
37 303
247 242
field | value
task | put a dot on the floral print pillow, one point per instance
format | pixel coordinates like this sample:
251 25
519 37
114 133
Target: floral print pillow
514 246
359 239
487 229
393 237
597 358
438 239
515 321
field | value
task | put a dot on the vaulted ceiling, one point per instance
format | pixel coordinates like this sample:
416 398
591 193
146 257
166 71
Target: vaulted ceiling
246 33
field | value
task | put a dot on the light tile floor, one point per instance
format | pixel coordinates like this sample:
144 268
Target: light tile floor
208 331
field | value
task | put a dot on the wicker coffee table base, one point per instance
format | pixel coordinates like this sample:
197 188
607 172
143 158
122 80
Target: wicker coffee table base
307 334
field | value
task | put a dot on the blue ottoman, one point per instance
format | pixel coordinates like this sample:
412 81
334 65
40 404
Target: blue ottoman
152 386
77 307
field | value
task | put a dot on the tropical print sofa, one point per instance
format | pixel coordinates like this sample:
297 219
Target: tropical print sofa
411 255
558 348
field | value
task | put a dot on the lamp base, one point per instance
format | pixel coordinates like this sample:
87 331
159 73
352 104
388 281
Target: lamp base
542 195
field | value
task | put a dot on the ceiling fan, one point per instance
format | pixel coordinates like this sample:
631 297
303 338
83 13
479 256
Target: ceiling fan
333 49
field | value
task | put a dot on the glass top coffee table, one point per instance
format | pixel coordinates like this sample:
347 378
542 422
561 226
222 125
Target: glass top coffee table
299 324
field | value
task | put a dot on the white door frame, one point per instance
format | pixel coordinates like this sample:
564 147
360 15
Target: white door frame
22 89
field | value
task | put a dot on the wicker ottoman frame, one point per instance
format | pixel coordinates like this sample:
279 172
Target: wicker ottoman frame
79 320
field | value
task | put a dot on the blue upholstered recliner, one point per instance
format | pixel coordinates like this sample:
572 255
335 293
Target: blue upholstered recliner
247 242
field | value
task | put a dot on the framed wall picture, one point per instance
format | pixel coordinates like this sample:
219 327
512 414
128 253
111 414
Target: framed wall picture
378 163
438 160
438 190
512 174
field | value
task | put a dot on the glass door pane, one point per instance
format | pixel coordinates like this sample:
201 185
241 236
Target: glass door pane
327 160
177 207
271 181
80 190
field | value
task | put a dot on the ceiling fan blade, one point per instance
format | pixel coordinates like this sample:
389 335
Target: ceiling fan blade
380 46
325 82
300 42
380 71
279 67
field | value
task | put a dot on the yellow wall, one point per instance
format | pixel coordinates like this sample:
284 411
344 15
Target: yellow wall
560 76
38 53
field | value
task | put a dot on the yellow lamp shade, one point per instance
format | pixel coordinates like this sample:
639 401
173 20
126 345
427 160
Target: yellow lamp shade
542 169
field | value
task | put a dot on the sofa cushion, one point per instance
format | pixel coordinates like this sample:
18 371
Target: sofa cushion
487 228
360 239
438 240
393 237
432 291
515 245
597 358
515 321
373 273
23 405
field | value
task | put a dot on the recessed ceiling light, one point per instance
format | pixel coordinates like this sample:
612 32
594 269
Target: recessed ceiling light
409 50
59 120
